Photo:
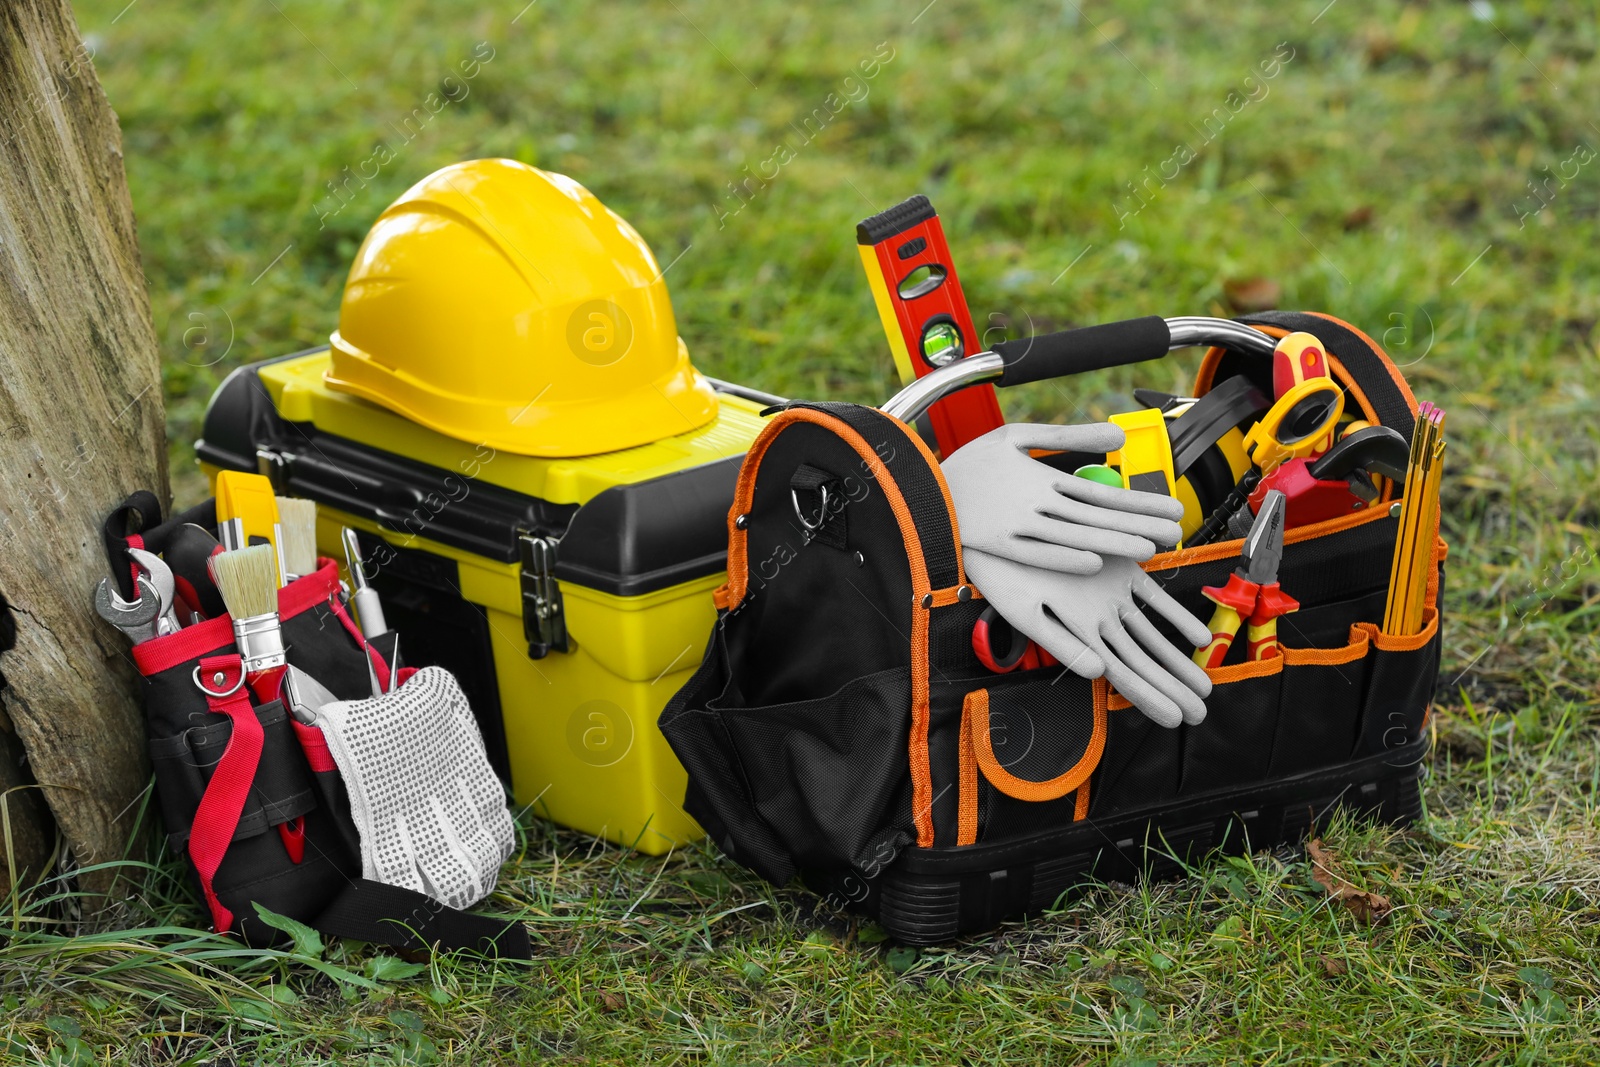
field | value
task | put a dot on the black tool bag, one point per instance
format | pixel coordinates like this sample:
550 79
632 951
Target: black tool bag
842 728
251 797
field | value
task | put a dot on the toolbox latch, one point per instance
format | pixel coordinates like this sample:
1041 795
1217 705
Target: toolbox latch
544 622
274 466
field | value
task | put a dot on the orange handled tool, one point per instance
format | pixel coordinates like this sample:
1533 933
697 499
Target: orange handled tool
1252 594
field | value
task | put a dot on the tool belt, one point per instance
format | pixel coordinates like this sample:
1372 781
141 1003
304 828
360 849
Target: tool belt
253 798
843 728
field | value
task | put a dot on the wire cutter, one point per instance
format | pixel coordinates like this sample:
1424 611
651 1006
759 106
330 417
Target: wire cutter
1252 594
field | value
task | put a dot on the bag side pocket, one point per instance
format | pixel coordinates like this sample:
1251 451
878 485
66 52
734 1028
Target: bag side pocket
1399 687
282 789
829 774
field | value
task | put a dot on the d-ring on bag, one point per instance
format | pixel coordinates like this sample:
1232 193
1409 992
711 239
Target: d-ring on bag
843 728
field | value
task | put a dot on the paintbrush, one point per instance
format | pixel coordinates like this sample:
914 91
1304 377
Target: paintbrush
248 581
298 520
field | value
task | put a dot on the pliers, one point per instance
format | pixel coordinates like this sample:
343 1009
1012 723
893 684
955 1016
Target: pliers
1252 594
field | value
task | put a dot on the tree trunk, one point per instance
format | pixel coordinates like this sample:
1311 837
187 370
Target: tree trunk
81 425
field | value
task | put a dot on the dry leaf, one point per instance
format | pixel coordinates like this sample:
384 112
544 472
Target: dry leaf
1366 906
1332 967
1358 218
1252 294
611 1001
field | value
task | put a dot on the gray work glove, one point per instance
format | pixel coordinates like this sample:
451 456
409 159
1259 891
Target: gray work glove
1092 624
1011 505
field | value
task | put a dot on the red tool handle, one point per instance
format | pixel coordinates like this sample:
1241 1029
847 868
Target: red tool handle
1262 631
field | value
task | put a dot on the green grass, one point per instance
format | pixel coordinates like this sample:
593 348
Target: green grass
1379 177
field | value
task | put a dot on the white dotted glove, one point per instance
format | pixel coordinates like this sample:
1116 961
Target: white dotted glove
431 813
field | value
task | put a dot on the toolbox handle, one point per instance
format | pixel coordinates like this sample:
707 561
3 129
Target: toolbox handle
1067 352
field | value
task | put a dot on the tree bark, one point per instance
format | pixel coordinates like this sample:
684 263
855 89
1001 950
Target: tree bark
81 425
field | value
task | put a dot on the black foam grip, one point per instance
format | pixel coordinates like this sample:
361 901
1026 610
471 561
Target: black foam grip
1055 355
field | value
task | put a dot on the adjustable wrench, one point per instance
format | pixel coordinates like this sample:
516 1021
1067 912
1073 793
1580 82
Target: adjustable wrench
166 588
137 619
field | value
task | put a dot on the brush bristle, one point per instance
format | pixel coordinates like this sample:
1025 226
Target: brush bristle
247 579
298 518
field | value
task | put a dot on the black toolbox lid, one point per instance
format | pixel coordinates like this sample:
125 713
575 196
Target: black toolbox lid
627 540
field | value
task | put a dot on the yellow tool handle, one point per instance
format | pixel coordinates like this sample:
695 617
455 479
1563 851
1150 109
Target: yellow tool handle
1224 625
248 497
1263 640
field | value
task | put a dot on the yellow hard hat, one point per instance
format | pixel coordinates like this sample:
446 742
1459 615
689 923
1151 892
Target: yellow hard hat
505 305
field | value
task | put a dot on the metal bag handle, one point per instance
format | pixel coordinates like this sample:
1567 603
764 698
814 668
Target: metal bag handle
1055 355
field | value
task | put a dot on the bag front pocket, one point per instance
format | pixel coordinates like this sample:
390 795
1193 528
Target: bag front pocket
1028 749
1323 690
1233 745
282 789
1400 686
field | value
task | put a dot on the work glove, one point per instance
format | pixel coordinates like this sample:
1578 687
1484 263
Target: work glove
1092 624
431 813
1009 504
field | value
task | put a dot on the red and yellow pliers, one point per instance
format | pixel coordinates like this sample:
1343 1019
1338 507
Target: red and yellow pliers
1252 594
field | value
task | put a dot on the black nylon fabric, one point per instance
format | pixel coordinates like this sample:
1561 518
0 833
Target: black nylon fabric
402 918
812 616
918 483
953 671
184 763
1040 726
134 515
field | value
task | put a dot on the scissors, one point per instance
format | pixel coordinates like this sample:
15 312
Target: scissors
1002 649
1295 424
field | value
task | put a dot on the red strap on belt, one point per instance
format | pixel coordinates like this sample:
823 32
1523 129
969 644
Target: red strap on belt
217 817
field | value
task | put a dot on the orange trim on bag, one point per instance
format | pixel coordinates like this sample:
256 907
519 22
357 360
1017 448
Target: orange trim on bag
1080 811
976 705
744 492
967 787
1238 672
1182 557
1404 642
1104 694
1394 372
1360 644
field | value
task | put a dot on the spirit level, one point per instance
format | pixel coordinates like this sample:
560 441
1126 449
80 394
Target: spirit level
925 313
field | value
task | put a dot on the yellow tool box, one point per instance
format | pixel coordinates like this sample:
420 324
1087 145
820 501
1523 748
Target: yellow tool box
542 517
